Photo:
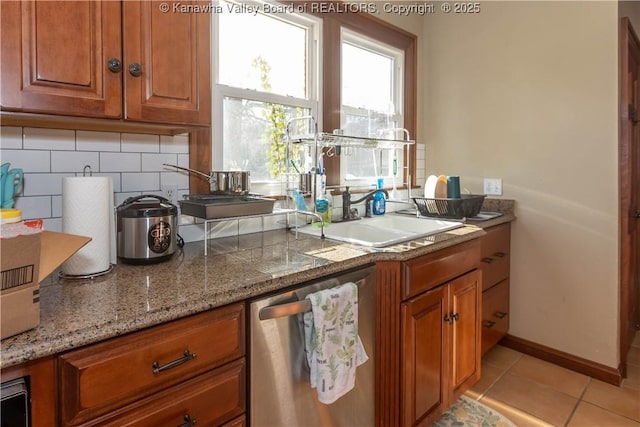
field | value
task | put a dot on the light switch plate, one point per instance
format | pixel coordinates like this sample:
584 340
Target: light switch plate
493 186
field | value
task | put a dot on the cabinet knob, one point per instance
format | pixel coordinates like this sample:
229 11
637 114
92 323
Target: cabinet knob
489 324
188 421
115 65
135 69
448 318
487 260
500 314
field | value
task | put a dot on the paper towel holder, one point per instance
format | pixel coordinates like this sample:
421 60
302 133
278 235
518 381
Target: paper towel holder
84 170
62 275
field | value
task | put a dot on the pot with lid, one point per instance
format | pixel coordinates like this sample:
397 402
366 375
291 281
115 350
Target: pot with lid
146 229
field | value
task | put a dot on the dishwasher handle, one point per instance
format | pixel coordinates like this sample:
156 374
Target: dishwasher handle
290 308
284 310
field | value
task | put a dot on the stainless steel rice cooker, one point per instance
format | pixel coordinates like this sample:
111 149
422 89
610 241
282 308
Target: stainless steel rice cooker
147 229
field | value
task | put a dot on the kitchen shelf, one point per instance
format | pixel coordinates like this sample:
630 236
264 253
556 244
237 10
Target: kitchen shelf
325 139
262 216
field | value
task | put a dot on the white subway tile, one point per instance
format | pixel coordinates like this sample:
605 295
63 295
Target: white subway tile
120 162
115 178
28 160
37 207
139 143
97 141
43 184
183 160
10 137
53 224
56 206
174 144
153 162
121 197
250 225
141 181
191 232
49 139
179 179
64 161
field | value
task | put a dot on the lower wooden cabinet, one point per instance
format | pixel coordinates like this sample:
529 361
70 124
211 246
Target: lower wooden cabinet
40 376
440 348
192 362
495 257
209 399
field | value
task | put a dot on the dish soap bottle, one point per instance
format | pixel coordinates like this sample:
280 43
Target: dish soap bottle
379 203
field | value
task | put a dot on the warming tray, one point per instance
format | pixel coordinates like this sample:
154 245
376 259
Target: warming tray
215 207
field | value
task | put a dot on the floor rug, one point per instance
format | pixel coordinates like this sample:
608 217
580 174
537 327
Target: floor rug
466 412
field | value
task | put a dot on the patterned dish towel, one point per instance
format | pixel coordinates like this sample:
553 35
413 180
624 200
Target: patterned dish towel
332 344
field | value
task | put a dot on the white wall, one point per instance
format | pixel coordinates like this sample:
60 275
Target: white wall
527 92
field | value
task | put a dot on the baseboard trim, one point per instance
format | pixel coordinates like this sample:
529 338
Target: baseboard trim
566 360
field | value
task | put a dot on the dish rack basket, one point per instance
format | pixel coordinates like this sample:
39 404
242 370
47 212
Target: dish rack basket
468 205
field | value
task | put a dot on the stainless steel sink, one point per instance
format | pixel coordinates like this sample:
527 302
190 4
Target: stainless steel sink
382 231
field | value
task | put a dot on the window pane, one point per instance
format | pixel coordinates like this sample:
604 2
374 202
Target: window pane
368 99
254 136
363 70
262 52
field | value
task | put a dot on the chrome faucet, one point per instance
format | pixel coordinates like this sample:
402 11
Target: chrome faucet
347 214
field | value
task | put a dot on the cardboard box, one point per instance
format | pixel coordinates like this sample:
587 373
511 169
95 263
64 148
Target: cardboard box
25 261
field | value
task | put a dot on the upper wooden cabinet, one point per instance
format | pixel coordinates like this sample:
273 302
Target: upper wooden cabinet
106 59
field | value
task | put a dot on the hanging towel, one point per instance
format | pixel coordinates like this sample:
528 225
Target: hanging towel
332 344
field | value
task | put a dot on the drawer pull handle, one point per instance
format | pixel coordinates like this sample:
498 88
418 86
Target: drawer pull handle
500 314
500 254
489 324
188 421
487 260
187 356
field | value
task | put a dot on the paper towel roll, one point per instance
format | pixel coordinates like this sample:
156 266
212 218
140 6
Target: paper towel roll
87 210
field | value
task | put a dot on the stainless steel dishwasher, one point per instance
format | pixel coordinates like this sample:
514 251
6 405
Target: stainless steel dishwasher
280 392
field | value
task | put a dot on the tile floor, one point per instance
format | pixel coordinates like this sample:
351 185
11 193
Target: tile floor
532 392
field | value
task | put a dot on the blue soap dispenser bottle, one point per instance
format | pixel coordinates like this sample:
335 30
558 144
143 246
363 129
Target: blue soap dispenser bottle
379 203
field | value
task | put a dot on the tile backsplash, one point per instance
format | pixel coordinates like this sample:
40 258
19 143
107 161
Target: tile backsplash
134 163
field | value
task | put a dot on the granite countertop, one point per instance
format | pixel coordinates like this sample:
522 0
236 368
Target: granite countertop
74 313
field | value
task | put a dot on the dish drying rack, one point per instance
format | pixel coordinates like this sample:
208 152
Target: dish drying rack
334 143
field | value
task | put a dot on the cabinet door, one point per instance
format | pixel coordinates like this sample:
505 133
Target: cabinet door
425 343
465 351
41 375
55 56
172 49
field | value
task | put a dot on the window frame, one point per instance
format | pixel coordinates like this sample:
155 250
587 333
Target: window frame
312 101
363 42
200 147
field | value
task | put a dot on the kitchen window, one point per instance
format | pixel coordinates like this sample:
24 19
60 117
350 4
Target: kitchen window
265 73
371 94
271 67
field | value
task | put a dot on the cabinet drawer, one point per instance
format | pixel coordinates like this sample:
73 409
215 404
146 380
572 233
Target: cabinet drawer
495 314
210 399
426 272
100 378
494 255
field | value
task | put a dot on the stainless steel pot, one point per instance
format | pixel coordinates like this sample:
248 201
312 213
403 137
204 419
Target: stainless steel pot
223 182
